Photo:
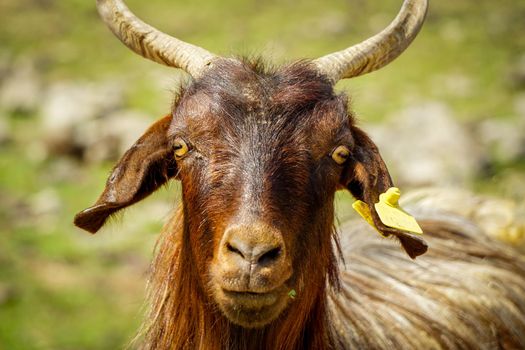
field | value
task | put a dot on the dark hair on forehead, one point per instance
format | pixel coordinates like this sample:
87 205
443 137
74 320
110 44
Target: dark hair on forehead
252 83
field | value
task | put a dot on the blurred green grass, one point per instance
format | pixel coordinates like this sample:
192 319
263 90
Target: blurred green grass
63 289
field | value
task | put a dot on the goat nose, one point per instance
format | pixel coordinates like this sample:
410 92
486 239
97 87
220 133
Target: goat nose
261 253
255 244
252 258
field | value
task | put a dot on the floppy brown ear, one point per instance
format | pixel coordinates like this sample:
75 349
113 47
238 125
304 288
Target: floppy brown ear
366 177
146 166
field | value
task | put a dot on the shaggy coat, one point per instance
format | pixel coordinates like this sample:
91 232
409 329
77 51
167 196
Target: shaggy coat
260 150
466 292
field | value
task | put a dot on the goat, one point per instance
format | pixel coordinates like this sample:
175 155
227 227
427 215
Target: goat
252 259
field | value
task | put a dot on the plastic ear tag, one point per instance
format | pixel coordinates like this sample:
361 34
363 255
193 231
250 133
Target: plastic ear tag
389 212
363 210
392 215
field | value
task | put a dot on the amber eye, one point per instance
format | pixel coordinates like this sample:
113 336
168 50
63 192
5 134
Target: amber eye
340 154
180 148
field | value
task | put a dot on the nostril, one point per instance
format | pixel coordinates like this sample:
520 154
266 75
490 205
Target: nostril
234 250
269 256
253 246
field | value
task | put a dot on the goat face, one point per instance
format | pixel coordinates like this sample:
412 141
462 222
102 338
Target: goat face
259 179
260 155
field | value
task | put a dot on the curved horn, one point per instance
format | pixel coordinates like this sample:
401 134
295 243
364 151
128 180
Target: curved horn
150 42
379 50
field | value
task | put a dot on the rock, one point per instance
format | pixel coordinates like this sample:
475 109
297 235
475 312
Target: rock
504 139
425 145
86 120
68 103
69 107
108 138
21 88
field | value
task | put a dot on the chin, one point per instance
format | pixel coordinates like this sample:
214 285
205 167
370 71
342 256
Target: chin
252 310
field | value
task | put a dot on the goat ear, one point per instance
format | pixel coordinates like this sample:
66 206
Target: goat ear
366 177
146 166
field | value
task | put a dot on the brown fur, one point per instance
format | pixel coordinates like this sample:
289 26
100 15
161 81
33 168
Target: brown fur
467 292
260 145
182 317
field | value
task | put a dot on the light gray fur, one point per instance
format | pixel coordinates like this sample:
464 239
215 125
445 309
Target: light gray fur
466 292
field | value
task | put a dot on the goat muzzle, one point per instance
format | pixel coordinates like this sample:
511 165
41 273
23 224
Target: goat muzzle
252 258
250 274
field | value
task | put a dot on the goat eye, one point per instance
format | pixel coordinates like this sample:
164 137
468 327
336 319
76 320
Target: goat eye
180 148
340 154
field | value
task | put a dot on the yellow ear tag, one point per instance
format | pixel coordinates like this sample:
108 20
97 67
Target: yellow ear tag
363 210
389 211
392 215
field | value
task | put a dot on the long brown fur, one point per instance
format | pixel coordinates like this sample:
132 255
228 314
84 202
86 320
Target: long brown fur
182 317
467 292
261 142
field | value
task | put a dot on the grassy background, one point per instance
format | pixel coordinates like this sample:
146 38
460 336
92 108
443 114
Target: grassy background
63 289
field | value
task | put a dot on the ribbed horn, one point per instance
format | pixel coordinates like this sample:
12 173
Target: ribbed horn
150 42
379 50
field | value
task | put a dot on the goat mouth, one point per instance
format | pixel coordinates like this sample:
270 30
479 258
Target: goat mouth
255 299
252 309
